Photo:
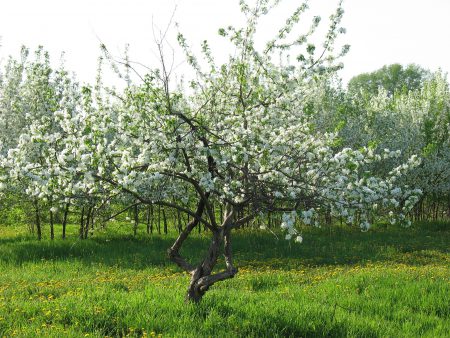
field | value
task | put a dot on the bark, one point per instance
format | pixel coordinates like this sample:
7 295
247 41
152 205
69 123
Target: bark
38 220
52 227
202 277
81 232
92 219
120 212
165 221
149 219
64 222
136 220
180 226
174 250
158 225
328 218
87 223
198 285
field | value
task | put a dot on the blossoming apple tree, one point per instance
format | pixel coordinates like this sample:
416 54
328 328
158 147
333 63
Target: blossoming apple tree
31 91
236 138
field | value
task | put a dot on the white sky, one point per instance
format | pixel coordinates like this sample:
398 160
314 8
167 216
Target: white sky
380 32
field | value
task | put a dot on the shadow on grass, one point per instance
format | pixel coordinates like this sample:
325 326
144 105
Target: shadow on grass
327 246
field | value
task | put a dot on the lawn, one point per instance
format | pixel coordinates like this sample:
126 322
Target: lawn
389 282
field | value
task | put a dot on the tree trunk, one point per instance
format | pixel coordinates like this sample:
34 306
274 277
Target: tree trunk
149 227
92 224
202 278
158 225
328 218
165 221
81 232
38 220
180 226
197 287
136 220
64 222
52 227
88 222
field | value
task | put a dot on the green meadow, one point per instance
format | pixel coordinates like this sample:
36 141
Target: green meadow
340 282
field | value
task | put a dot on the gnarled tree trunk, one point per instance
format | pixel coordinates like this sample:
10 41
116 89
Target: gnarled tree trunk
202 276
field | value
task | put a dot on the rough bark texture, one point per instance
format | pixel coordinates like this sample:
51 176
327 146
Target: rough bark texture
202 277
198 285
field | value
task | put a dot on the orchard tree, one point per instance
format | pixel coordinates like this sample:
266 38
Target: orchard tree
238 138
31 90
30 93
429 109
415 122
393 78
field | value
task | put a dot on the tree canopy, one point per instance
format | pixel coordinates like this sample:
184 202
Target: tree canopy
393 78
245 138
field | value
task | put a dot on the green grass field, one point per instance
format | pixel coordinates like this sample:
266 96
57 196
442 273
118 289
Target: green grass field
339 283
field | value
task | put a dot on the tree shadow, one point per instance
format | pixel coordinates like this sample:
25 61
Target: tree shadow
344 246
321 247
125 252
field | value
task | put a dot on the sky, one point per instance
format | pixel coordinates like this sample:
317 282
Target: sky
380 32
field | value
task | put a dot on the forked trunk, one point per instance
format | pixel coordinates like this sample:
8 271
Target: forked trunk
198 285
194 293
202 277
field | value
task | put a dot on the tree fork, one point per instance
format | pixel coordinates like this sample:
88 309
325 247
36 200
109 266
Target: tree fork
173 251
202 278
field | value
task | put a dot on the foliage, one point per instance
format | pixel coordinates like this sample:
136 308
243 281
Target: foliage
414 122
394 79
31 91
248 138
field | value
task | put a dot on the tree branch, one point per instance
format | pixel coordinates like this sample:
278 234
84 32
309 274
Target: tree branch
173 251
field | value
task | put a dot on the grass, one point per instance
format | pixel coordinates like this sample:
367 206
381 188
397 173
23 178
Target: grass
390 282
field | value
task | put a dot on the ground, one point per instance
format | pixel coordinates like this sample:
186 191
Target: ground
339 282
